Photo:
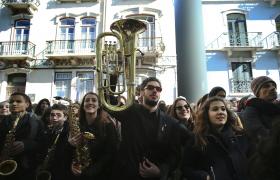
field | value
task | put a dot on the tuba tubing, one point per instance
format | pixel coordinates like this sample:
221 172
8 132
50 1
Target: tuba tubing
126 31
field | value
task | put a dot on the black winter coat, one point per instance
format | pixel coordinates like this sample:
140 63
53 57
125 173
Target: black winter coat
258 117
154 136
224 158
29 130
60 158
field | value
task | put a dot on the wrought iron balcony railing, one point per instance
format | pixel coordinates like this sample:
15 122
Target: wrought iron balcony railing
272 41
35 3
77 1
17 48
74 47
80 47
240 86
226 39
151 44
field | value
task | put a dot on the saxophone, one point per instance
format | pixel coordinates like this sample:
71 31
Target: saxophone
42 172
8 166
82 155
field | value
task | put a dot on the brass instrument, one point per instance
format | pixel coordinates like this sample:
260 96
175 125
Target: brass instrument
118 61
82 154
42 172
8 166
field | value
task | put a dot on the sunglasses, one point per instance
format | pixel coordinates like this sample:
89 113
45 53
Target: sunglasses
181 107
151 87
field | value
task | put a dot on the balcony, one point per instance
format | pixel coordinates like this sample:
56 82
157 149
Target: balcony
22 6
76 1
19 50
230 42
61 49
272 2
151 46
272 41
240 86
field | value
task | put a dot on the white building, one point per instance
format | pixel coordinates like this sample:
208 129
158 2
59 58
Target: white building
47 47
242 42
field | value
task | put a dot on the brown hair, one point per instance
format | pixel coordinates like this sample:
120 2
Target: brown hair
102 116
203 125
172 109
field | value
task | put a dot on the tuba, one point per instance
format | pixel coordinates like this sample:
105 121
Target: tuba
116 62
8 166
82 154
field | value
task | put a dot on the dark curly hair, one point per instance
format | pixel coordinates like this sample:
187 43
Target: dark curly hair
147 80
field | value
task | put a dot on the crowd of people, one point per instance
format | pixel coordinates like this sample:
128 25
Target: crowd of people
214 138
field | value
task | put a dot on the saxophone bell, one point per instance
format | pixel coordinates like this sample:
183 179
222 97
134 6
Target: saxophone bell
8 167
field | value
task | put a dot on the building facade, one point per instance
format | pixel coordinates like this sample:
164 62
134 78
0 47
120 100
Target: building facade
242 42
47 48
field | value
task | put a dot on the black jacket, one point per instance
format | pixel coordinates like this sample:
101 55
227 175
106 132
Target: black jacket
60 157
154 136
258 117
29 130
102 151
224 158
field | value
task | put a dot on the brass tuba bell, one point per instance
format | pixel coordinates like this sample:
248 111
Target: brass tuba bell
117 62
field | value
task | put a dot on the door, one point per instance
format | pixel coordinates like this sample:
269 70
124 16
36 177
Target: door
242 76
147 38
67 35
16 83
88 33
21 36
237 30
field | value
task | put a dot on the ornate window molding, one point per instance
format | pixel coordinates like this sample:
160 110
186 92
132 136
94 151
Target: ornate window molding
77 17
139 10
225 13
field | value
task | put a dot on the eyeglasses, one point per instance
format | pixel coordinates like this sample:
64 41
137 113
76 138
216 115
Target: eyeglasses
180 108
151 87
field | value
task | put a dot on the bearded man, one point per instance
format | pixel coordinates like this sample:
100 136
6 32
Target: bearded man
150 139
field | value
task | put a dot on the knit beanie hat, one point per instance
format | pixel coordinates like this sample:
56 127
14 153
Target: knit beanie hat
258 82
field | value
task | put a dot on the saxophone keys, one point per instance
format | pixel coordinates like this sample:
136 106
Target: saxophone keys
88 135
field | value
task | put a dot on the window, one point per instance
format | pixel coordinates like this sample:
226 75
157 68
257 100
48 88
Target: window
242 76
67 34
84 84
88 29
21 36
16 83
237 29
147 38
63 84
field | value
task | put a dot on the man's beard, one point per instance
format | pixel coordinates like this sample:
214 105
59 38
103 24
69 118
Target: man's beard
151 103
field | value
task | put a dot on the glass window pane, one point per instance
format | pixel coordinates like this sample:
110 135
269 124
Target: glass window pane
88 21
84 84
63 84
25 23
67 21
